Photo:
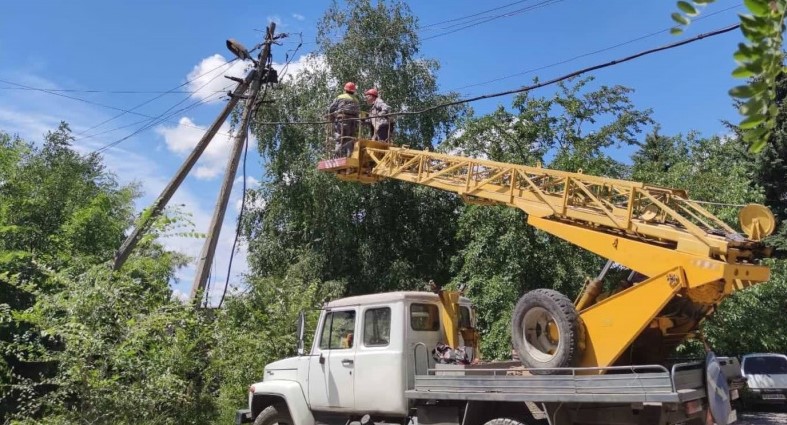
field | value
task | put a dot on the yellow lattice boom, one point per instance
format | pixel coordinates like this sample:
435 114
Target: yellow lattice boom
682 248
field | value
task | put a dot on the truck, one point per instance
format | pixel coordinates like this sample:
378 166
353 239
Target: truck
592 361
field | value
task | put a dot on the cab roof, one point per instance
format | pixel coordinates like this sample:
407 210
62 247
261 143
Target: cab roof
389 297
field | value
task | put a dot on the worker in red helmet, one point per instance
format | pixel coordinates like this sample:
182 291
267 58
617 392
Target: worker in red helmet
344 113
378 115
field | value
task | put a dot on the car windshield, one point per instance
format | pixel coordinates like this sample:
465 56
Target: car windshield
765 365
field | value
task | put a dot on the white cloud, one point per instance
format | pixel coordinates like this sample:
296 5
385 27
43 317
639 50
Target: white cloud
298 16
182 139
207 77
304 63
251 182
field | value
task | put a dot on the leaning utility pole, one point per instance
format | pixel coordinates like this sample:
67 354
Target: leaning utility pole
155 210
209 248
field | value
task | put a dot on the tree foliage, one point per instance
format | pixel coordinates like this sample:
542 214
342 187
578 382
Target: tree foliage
79 343
373 238
761 57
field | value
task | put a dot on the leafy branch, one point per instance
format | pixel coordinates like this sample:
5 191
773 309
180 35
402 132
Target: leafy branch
760 60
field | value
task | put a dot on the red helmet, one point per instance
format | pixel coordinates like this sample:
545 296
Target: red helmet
371 92
349 87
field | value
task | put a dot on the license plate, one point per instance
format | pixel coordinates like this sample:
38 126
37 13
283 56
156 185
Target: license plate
773 396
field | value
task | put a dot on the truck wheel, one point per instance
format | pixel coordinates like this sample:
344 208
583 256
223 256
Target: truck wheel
545 331
274 414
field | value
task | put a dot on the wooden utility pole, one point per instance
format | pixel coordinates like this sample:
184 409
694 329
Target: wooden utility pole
209 248
161 202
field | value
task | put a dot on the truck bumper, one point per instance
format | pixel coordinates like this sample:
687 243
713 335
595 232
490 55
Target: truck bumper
243 416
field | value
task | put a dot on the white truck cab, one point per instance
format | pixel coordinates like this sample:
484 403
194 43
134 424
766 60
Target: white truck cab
362 360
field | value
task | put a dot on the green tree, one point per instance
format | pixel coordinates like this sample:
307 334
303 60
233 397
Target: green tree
722 171
373 238
57 208
79 343
258 327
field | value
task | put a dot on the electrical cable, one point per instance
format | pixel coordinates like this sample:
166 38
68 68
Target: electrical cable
472 15
240 218
642 37
158 97
495 17
207 285
90 102
154 122
101 91
161 118
538 85
191 106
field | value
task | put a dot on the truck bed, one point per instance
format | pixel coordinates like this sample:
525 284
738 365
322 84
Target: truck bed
630 384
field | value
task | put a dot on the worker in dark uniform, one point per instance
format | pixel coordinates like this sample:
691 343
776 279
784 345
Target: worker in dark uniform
344 113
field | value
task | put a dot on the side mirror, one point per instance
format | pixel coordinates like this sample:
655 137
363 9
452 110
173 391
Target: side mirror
300 332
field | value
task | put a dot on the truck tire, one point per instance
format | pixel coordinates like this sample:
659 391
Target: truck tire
545 331
274 414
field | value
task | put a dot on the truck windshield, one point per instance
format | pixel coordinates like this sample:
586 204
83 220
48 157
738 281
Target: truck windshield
765 365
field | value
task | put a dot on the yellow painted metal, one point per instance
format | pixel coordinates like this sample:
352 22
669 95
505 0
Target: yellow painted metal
589 294
658 232
757 221
449 316
612 324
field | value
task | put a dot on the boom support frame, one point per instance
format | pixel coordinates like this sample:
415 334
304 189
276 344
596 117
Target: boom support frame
685 251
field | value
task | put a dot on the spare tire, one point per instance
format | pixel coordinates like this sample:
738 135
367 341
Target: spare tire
546 331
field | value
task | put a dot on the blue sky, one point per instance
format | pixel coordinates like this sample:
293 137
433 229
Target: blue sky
150 46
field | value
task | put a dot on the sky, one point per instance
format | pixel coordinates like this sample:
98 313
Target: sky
86 61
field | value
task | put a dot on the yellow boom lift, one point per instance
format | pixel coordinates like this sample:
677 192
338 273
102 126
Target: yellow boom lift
686 260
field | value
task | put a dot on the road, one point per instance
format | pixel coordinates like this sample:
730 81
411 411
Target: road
762 418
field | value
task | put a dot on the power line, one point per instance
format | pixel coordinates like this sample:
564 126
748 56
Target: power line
538 85
101 91
461 18
495 17
161 118
240 217
652 34
161 95
187 108
470 23
90 102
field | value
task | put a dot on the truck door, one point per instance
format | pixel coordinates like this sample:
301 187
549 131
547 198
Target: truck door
332 368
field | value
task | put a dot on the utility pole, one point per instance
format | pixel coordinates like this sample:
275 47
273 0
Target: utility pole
209 248
155 210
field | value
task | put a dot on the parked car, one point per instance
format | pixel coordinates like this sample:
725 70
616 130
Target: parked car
766 378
